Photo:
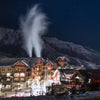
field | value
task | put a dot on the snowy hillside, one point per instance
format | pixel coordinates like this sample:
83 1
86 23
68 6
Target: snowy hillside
11 45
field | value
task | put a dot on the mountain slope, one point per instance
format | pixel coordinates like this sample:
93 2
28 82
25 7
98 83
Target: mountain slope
11 43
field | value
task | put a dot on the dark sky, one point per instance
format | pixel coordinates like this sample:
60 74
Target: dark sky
71 20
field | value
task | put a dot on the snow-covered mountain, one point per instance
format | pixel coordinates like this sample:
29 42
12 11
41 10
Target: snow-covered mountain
11 45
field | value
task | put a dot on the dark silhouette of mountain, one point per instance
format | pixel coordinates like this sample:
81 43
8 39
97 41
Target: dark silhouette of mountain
11 45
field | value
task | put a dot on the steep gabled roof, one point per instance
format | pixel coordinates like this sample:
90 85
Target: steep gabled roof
32 61
7 61
4 62
62 58
49 61
22 62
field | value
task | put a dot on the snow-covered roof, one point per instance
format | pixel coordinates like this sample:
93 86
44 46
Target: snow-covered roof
4 62
62 58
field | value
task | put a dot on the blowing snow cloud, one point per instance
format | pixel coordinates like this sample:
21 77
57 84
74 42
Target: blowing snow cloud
33 26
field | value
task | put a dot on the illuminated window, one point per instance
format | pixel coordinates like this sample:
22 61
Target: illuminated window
16 79
22 74
8 79
16 75
37 69
8 86
77 77
17 69
21 79
3 74
8 74
49 68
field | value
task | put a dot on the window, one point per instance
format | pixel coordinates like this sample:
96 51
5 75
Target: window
16 69
37 69
22 70
8 79
8 74
16 75
49 68
3 74
8 86
3 69
28 70
9 69
16 79
29 74
45 68
22 74
22 79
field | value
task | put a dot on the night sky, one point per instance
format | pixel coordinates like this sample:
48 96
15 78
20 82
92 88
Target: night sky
77 21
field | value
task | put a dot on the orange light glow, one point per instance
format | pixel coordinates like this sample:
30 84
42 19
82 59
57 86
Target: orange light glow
16 75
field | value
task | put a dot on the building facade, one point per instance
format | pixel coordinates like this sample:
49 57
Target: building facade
15 76
19 73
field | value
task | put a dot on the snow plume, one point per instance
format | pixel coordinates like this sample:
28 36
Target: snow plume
34 25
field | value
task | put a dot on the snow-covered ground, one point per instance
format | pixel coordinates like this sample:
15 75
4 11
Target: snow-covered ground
86 96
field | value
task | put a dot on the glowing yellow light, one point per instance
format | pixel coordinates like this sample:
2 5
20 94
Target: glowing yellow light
37 68
8 74
49 68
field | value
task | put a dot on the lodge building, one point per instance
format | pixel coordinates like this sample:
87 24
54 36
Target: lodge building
89 78
18 73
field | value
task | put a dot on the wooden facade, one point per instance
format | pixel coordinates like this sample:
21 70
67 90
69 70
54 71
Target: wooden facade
6 77
22 71
62 61
14 75
19 73
43 69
